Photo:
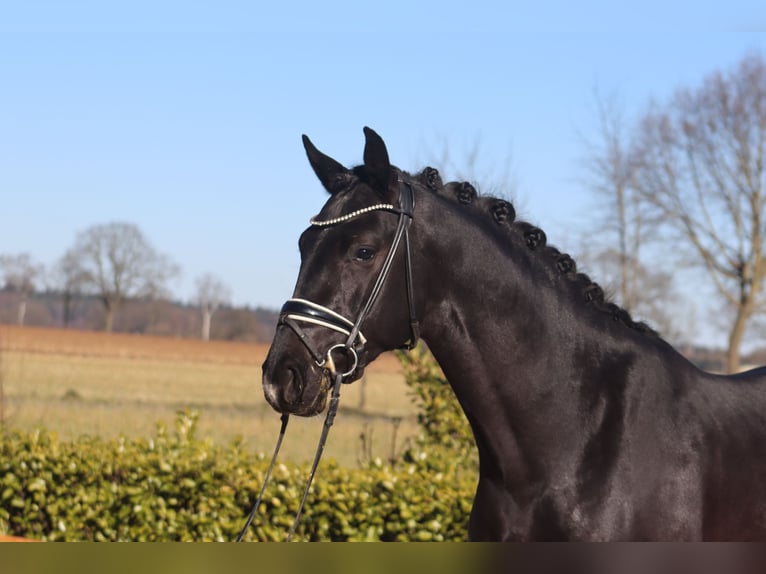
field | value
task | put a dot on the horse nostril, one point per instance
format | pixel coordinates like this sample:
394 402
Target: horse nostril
291 384
285 377
282 385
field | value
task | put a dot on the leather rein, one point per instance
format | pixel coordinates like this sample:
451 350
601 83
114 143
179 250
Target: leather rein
297 311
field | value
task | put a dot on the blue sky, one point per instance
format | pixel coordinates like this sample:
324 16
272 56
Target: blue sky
185 117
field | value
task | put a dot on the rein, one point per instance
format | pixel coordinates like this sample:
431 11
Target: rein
328 421
296 311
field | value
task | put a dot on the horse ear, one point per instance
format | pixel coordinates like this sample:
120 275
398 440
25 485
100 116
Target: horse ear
330 172
382 175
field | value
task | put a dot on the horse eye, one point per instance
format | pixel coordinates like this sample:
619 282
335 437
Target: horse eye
365 254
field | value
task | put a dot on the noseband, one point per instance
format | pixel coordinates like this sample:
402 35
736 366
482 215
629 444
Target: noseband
299 311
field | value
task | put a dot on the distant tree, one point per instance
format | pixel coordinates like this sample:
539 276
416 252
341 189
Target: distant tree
621 261
211 294
702 166
116 262
71 278
241 324
652 288
610 172
20 274
471 163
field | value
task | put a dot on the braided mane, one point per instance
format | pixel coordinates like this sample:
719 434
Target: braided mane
503 214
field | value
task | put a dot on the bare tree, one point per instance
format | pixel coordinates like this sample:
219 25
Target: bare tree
610 173
703 167
72 278
473 163
652 288
211 294
622 263
116 261
20 274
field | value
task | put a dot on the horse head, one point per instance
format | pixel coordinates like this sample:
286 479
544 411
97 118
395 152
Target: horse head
350 301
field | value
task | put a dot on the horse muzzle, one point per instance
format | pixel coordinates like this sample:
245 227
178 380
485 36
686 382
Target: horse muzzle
293 388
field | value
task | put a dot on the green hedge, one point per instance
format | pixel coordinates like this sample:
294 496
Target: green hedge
445 432
176 487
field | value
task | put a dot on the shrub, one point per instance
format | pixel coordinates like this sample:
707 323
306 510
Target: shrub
446 443
175 487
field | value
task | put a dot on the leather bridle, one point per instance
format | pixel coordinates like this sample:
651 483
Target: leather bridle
299 311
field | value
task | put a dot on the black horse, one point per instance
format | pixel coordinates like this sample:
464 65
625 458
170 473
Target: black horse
589 425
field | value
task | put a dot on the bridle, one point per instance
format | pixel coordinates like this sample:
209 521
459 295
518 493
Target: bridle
298 311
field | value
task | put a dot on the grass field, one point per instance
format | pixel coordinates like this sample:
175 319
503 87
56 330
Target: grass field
77 382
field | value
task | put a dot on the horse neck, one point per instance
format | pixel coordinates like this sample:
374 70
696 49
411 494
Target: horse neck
509 341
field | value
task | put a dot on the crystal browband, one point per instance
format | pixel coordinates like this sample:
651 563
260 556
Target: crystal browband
358 212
